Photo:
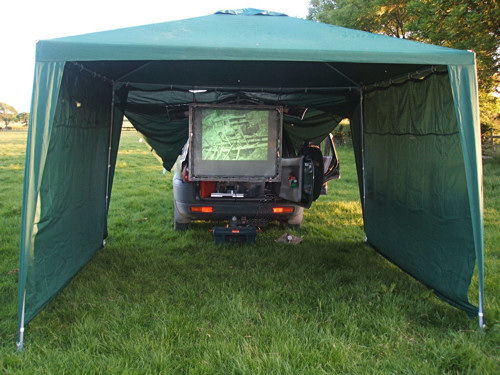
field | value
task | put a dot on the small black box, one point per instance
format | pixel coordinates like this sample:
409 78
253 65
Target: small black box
237 234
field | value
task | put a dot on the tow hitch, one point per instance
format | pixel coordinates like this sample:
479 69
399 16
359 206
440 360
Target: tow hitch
237 231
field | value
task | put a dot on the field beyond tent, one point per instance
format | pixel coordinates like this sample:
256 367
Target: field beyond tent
159 301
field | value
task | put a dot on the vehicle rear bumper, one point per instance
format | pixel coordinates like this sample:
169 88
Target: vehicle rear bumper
225 208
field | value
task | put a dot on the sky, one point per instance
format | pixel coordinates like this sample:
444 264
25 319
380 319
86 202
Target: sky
23 22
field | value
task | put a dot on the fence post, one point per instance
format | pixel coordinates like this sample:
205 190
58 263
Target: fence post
492 142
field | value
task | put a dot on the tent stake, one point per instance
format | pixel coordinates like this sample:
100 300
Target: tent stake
20 343
481 312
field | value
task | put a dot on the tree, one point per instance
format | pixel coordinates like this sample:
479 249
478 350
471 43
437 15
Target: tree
24 118
463 24
389 17
7 113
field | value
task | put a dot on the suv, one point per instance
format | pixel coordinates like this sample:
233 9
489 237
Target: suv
256 203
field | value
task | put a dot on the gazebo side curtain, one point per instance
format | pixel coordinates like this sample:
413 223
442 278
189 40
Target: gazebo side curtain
65 181
47 81
463 79
410 158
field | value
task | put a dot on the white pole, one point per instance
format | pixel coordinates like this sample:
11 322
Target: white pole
20 343
362 118
481 311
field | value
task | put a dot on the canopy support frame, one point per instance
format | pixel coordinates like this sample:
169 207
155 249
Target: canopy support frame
134 70
281 90
343 75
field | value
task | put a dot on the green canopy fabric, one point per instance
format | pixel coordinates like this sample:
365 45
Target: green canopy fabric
413 110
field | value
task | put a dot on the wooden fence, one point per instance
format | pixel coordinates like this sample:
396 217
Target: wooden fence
490 141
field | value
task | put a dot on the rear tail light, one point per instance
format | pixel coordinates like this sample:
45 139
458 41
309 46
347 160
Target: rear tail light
185 174
203 209
282 210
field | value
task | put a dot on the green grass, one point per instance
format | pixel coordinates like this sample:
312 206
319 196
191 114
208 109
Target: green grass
157 301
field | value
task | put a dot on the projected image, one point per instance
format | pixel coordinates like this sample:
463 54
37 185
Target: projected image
234 134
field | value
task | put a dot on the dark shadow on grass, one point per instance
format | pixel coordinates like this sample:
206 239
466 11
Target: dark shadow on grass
188 274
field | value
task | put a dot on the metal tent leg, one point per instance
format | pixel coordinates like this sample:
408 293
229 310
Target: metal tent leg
20 342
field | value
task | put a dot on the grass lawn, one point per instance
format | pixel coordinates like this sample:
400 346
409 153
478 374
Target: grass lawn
156 301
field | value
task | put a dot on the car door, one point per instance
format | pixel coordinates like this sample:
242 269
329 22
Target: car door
303 177
330 159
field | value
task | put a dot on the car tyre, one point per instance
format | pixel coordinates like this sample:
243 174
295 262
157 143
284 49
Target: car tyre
181 222
295 221
181 226
285 225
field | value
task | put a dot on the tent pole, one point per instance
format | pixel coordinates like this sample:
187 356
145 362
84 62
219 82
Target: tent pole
284 90
481 311
343 75
110 146
20 343
362 117
134 71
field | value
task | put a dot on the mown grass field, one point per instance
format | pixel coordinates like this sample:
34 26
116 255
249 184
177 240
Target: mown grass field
156 301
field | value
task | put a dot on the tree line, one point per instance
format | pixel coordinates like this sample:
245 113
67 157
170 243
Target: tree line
9 114
462 24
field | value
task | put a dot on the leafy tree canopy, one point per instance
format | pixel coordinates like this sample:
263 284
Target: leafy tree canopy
463 24
24 118
388 17
7 113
